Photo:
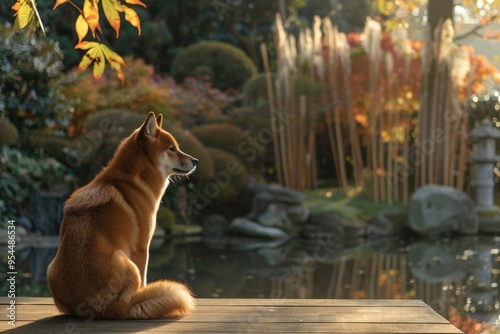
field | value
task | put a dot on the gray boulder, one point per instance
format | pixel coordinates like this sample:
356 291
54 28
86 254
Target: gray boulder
283 198
253 229
274 217
438 209
388 222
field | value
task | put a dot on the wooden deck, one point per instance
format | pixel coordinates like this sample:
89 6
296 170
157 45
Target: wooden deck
39 315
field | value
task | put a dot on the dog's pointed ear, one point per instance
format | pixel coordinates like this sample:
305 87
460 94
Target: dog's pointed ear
149 127
159 120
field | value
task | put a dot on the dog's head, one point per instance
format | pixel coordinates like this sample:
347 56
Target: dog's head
164 149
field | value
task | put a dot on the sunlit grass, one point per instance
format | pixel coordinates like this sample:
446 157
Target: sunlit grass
354 205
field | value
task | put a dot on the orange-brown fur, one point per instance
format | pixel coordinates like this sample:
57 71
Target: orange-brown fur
101 263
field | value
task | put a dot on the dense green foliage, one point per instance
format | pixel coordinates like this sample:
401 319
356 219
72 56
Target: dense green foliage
30 87
19 173
227 190
8 133
224 136
227 66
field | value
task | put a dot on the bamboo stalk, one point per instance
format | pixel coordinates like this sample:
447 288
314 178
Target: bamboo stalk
336 114
406 151
302 150
421 175
462 158
390 126
272 112
380 148
282 133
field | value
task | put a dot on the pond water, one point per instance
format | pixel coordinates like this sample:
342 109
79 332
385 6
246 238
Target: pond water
457 276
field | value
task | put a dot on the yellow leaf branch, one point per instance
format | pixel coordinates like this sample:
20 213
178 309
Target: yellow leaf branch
97 53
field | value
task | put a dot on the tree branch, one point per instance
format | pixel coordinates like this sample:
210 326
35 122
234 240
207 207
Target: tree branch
475 30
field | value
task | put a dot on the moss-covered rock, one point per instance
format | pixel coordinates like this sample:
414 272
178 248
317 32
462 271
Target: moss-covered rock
230 66
8 132
229 178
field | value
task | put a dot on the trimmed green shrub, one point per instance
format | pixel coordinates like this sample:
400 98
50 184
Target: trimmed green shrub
230 66
8 132
165 218
225 136
105 130
116 123
256 88
54 146
191 145
230 174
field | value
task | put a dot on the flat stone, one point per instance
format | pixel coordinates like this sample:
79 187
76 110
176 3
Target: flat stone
253 229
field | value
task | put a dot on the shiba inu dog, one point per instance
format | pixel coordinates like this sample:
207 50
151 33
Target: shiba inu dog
101 263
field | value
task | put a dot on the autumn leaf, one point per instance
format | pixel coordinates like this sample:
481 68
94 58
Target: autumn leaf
111 13
132 17
81 27
58 3
91 15
90 56
98 54
115 62
136 2
24 14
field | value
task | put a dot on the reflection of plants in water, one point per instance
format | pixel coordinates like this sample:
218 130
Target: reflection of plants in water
31 267
468 325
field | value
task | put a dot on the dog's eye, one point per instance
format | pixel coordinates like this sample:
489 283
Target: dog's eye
172 149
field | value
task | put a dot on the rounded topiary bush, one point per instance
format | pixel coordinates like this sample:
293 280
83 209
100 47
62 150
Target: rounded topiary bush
115 123
229 178
256 88
105 130
8 132
191 145
165 218
58 148
225 136
230 66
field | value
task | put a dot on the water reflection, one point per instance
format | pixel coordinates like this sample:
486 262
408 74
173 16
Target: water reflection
458 277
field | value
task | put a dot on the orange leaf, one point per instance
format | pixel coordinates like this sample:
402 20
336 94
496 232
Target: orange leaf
91 15
136 2
58 3
15 7
82 28
109 7
132 17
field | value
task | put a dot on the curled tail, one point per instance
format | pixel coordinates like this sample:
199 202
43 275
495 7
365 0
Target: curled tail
160 299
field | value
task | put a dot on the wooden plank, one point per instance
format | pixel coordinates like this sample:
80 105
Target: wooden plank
280 314
260 302
75 326
248 316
